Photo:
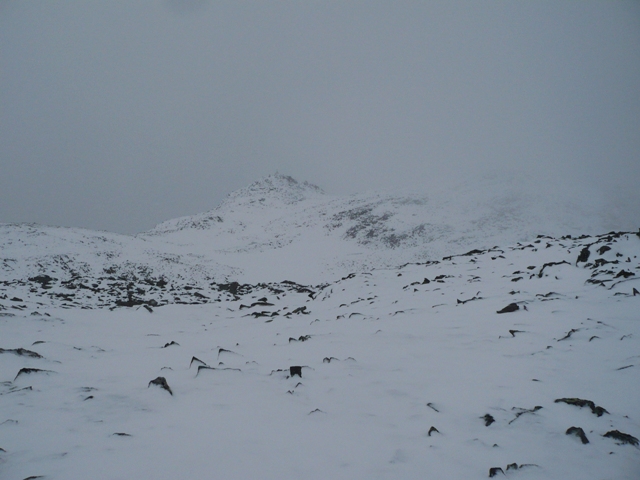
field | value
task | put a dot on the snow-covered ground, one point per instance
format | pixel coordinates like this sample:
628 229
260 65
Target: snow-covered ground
406 371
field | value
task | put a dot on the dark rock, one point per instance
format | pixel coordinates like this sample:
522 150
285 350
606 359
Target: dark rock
625 274
43 280
432 430
21 352
196 359
296 370
513 332
430 405
426 281
551 264
328 359
635 292
161 382
579 402
584 255
622 437
523 411
569 333
578 432
603 249
512 307
29 371
121 434
488 420
494 471
170 343
512 466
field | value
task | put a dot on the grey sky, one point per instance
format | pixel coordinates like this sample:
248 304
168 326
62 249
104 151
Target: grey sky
118 115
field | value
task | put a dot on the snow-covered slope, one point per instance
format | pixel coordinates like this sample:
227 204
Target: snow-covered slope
407 372
278 228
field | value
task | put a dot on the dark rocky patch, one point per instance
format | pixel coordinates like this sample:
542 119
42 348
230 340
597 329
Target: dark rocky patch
488 419
513 332
301 338
569 333
493 471
295 370
578 432
196 359
579 402
603 249
584 255
161 382
31 370
462 302
625 274
623 438
121 434
21 352
328 359
430 405
523 411
512 307
551 264
170 343
432 430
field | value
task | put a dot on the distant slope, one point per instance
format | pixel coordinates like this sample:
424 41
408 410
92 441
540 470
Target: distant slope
278 228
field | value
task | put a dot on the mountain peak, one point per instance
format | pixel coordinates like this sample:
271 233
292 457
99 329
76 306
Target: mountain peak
278 187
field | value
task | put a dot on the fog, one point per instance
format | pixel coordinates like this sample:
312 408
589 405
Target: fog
118 115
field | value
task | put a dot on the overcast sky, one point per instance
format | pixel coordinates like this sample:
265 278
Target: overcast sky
118 115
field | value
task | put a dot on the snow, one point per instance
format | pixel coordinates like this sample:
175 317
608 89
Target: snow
388 356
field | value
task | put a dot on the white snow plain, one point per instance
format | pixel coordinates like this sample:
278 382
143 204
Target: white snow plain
400 366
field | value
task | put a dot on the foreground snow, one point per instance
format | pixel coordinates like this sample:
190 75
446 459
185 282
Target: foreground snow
386 355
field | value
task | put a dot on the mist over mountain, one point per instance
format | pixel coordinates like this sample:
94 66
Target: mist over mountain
278 228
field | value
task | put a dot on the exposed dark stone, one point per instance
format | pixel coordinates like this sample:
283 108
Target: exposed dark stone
196 359
635 292
512 466
296 370
584 255
328 359
493 471
430 405
578 432
30 370
121 434
301 338
579 402
523 411
432 430
603 249
512 307
170 343
43 280
513 332
488 420
625 274
569 333
462 302
21 352
551 264
161 382
622 437
426 281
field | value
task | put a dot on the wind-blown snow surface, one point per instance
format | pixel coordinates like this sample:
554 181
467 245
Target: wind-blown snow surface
386 355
